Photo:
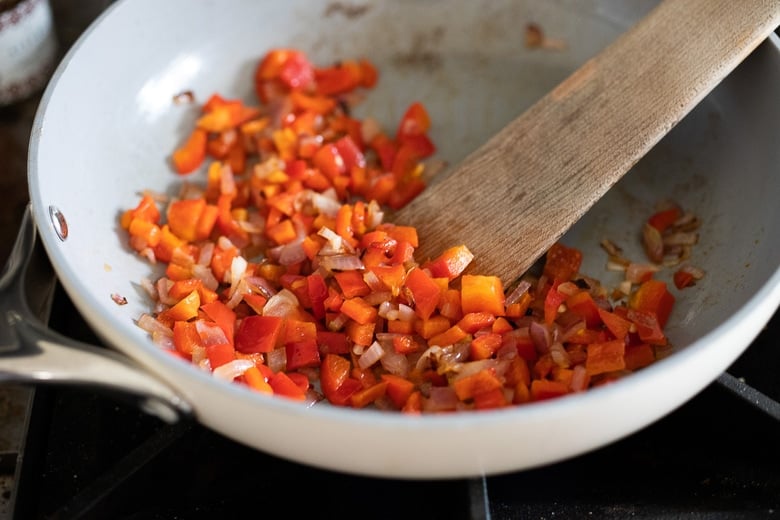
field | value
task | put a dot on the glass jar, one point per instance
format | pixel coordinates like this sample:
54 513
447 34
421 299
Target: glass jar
28 48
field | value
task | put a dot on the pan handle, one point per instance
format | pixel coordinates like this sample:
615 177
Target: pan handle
32 353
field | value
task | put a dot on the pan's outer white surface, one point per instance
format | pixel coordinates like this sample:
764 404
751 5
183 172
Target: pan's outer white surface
107 125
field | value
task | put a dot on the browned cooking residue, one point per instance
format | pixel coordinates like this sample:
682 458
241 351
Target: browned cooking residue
350 11
536 39
183 98
422 53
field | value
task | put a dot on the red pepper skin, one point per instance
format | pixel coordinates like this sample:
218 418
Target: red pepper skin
258 334
683 279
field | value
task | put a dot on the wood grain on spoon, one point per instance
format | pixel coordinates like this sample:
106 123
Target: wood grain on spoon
510 200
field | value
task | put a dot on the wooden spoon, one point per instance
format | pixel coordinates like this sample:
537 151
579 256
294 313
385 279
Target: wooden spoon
511 199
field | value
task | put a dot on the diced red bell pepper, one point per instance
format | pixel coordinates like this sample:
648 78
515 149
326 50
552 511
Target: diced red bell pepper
661 220
283 385
335 381
186 337
653 296
552 302
562 262
332 342
414 122
302 354
223 316
258 334
582 304
219 354
398 389
425 292
451 263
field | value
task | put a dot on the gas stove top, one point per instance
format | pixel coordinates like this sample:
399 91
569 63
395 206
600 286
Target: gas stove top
91 456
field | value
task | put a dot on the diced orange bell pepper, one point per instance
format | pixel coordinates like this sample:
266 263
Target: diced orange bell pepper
482 294
191 154
653 296
185 309
258 334
605 357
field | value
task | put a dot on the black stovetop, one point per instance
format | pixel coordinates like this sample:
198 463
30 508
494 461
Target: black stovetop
91 456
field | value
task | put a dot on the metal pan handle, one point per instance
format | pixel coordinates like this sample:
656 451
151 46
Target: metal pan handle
32 353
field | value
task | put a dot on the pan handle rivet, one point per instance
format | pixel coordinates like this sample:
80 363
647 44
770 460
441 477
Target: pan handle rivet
59 222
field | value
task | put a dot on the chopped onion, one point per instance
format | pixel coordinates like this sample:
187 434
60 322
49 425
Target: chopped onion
394 362
441 399
153 326
573 328
290 253
260 285
149 287
163 340
148 253
424 361
326 205
697 273
206 254
371 355
568 288
227 181
224 243
238 295
559 355
472 367
277 360
232 369
374 214
579 378
163 285
388 311
210 334
405 313
206 276
341 262
615 266
338 322
237 269
282 304
681 238
541 336
198 354
335 243
520 289
377 298
638 273
373 281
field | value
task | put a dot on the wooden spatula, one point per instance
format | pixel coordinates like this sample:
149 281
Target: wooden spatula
511 199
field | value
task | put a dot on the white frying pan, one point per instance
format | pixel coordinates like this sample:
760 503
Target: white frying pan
107 124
